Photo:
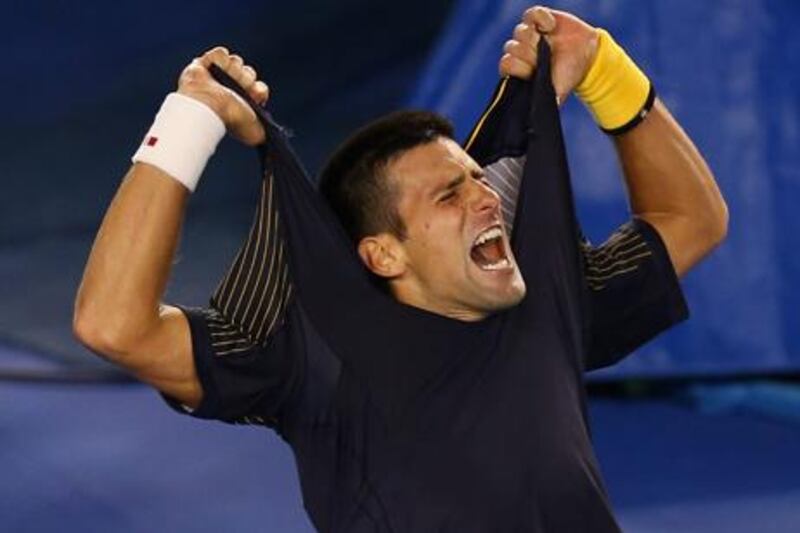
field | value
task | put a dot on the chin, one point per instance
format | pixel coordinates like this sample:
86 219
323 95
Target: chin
507 297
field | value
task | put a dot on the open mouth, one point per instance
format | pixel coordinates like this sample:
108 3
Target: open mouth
488 251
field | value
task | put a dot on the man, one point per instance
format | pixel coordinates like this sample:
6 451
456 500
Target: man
456 404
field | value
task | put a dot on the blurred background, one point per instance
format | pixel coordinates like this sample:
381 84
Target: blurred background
697 431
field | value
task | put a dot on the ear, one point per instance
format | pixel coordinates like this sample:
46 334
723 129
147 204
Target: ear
383 254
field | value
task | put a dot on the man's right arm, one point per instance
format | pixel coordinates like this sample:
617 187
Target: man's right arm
118 310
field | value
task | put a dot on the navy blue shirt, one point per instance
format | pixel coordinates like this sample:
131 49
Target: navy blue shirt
406 421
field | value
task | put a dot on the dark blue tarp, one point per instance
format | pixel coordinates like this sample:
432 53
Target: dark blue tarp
730 73
83 81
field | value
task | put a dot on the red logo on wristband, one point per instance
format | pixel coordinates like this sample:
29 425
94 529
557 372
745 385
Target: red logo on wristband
151 141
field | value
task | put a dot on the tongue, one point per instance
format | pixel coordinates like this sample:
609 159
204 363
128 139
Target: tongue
488 253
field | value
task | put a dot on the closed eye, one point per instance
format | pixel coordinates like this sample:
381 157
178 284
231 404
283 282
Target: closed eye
449 196
481 177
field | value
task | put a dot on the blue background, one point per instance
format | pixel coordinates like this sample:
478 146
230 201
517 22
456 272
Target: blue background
729 71
82 83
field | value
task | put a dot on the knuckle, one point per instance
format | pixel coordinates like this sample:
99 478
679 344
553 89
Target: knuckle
192 73
525 33
508 62
216 52
529 13
536 14
218 58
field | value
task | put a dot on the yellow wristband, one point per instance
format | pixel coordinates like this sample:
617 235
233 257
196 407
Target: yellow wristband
616 92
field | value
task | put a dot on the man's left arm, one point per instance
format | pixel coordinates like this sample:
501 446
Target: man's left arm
671 187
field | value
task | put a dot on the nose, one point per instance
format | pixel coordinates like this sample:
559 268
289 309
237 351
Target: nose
484 197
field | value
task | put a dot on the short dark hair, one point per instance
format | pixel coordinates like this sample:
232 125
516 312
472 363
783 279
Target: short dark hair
354 181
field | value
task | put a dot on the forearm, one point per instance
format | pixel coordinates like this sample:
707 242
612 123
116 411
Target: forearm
130 261
669 183
671 187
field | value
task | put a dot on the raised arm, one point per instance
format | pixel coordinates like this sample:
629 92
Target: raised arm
669 184
118 309
671 187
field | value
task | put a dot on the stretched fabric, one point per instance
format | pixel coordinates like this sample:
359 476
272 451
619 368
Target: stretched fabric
310 257
735 93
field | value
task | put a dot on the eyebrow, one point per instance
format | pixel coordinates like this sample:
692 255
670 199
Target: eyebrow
458 180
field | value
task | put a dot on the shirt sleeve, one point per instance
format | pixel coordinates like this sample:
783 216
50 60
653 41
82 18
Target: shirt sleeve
241 344
634 292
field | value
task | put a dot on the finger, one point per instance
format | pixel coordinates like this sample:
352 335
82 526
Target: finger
244 75
260 92
541 18
525 33
236 70
248 77
235 65
523 52
218 55
512 66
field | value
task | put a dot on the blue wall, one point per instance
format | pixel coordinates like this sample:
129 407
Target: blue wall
730 73
82 81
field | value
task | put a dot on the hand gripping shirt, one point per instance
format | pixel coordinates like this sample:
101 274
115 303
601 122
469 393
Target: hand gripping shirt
401 420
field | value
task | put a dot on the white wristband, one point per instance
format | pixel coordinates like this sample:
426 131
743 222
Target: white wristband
183 136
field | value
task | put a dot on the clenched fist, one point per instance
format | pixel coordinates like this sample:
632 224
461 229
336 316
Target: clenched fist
573 45
240 120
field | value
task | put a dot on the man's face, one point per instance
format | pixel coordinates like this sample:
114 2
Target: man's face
457 257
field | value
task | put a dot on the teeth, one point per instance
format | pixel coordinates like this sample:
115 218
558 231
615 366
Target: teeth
500 265
489 234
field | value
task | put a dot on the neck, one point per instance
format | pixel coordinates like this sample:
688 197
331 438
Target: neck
414 297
